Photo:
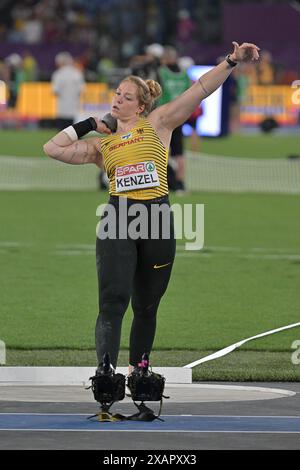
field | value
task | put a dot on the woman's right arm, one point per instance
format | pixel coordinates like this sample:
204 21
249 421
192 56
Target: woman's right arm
62 146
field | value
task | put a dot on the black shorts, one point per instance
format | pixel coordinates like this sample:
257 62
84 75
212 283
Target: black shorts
176 145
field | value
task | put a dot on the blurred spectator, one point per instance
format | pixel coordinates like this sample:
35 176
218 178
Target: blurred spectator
154 53
243 76
104 69
192 121
87 62
236 90
15 70
174 82
32 30
146 66
53 30
67 84
15 75
287 76
30 67
265 69
4 71
184 64
186 26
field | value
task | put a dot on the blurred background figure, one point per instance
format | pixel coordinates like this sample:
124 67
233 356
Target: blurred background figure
32 29
146 65
186 27
174 82
266 74
67 84
30 67
184 64
105 67
15 77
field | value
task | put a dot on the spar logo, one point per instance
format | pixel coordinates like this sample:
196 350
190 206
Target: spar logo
150 166
131 169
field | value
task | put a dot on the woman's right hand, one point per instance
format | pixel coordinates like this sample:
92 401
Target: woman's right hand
101 127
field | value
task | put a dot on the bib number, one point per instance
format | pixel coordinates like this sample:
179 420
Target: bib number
136 176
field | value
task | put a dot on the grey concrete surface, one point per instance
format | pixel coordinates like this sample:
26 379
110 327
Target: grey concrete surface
177 393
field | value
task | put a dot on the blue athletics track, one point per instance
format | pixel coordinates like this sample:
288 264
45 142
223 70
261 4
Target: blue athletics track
219 416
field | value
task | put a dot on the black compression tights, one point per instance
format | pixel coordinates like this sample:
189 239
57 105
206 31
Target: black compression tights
126 271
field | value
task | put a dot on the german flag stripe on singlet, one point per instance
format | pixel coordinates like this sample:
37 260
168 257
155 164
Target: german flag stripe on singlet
136 163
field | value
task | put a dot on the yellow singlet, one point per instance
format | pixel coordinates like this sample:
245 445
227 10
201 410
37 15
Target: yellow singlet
136 163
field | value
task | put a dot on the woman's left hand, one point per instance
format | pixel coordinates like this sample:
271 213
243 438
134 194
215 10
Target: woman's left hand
245 52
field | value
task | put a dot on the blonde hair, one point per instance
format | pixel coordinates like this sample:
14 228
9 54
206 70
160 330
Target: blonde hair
147 91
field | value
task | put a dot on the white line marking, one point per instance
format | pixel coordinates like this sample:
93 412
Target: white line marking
232 347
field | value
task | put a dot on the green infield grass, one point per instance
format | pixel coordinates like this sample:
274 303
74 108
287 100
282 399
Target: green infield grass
26 143
244 282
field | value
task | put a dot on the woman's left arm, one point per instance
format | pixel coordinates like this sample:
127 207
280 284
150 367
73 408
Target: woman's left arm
175 113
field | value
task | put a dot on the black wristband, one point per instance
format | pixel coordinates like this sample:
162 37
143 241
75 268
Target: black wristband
229 61
83 127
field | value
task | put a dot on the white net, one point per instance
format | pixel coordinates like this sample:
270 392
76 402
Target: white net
24 173
229 174
203 173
